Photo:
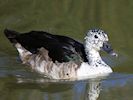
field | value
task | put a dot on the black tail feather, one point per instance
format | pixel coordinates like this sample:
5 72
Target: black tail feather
11 35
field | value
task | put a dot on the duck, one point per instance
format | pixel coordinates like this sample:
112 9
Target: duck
62 57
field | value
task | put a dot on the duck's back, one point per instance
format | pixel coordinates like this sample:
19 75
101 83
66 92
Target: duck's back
60 48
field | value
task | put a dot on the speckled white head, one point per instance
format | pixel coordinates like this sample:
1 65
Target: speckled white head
97 39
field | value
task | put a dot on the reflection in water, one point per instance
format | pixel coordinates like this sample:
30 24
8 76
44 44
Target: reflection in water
23 88
94 90
18 83
46 89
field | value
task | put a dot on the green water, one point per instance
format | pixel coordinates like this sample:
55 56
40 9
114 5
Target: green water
71 18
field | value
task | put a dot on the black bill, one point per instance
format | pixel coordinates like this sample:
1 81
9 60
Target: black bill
107 48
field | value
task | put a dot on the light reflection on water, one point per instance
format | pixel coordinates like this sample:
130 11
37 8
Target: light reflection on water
18 82
88 89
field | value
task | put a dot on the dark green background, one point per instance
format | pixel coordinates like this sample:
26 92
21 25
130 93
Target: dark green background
71 18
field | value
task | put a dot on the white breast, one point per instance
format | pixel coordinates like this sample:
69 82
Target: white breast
87 70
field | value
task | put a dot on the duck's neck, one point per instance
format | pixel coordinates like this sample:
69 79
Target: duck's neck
93 56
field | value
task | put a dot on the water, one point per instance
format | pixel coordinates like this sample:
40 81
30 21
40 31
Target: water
19 83
71 18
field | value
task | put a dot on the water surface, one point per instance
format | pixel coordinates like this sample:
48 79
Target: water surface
71 18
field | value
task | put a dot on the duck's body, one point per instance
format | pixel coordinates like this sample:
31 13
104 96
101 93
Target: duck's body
61 57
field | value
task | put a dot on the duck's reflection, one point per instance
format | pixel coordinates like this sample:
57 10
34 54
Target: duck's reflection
46 89
94 90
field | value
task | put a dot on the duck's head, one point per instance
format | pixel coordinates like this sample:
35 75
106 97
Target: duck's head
97 39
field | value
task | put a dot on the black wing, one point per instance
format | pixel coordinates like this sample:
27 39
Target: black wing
61 48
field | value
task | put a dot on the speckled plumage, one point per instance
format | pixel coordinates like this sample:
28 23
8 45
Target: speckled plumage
41 63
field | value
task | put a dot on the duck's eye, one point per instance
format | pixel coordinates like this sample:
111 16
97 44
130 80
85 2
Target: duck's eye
95 36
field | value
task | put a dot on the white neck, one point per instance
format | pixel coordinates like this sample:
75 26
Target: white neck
95 65
93 56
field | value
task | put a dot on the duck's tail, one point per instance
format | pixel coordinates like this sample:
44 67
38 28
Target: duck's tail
11 35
